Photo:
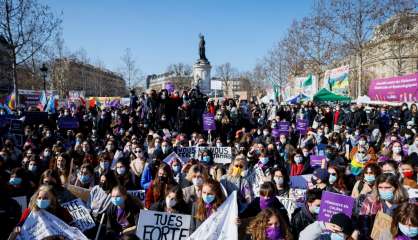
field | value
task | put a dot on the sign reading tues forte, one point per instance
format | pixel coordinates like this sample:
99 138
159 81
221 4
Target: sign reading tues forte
395 89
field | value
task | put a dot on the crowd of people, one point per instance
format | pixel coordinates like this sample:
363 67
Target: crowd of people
369 153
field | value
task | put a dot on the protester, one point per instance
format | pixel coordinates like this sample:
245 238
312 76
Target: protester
306 214
159 185
173 202
269 225
197 175
405 222
340 227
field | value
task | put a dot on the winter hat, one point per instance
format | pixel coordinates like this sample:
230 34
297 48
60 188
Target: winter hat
322 174
344 222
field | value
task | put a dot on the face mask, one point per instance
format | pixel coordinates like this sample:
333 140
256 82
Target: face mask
15 181
208 198
42 203
104 165
416 143
386 195
265 133
397 150
164 149
121 170
118 201
337 236
332 179
206 159
109 148
273 233
273 125
236 171
47 154
176 169
408 174
264 160
408 231
369 178
220 145
84 179
362 143
315 209
282 140
278 180
32 168
298 160
197 181
305 154
170 202
265 202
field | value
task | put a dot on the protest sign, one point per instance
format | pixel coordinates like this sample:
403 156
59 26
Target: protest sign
333 203
221 154
79 192
35 117
140 194
275 132
283 127
169 86
154 225
302 125
42 224
68 123
381 226
172 156
208 122
5 120
301 181
396 89
81 216
316 160
23 202
185 153
16 126
289 204
220 225
298 195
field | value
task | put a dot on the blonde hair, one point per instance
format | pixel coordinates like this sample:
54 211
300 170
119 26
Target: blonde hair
197 168
236 160
53 203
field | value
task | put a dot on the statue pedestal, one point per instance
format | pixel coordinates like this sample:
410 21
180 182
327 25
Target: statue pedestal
201 76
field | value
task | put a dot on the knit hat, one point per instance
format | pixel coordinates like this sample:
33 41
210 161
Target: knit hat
344 222
322 174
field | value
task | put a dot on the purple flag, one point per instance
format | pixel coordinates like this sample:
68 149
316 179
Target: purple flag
169 87
209 122
333 203
302 125
284 127
316 160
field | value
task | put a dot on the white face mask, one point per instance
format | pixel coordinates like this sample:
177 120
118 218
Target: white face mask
170 202
197 181
397 150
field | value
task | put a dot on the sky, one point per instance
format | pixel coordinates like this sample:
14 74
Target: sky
161 33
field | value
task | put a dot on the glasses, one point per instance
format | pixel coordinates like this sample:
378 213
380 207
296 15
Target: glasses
362 152
333 174
239 166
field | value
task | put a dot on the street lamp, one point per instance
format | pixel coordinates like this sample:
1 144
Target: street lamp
44 70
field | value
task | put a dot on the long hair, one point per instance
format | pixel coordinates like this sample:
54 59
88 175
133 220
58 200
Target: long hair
400 195
258 226
231 166
197 168
339 184
404 213
219 199
158 187
53 202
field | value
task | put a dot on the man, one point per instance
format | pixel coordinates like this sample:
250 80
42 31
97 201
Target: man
306 214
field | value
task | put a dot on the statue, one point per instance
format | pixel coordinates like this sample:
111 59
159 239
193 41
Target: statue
202 49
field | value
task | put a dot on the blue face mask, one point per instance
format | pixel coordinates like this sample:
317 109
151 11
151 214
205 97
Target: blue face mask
264 160
369 178
42 203
208 198
84 179
118 201
176 168
15 181
206 159
298 159
337 236
386 195
408 231
332 179
316 210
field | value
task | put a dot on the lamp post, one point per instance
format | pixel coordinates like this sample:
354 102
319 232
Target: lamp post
44 70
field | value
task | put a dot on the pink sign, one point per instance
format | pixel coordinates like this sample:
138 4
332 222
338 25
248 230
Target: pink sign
395 89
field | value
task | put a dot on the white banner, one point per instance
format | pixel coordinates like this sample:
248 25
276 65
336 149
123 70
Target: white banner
42 224
221 224
220 154
185 153
81 216
172 156
22 200
289 204
154 225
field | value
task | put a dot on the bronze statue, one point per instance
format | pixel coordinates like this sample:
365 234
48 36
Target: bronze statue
202 49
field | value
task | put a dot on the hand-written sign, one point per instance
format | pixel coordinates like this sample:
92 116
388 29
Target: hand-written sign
81 216
219 154
333 203
185 153
284 127
154 225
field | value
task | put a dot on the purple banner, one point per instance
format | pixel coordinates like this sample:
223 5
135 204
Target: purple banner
68 123
302 125
316 160
209 122
332 203
275 132
169 87
396 89
284 127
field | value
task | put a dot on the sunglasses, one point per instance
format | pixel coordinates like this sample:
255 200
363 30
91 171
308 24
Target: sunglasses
333 174
239 166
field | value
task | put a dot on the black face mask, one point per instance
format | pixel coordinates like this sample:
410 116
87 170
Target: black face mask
162 178
104 186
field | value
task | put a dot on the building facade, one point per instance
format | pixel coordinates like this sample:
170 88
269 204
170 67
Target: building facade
159 81
73 75
6 83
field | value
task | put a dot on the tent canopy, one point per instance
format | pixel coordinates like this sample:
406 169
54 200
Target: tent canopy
325 95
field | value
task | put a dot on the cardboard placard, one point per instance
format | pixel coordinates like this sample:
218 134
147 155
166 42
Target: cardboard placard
209 122
381 226
79 192
81 216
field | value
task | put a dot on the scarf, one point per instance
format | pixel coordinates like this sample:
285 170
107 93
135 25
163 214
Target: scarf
296 169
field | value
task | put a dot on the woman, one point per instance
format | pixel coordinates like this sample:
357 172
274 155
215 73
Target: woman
269 225
365 184
386 196
197 174
159 185
234 181
298 166
339 228
51 178
173 202
85 176
397 153
104 165
124 176
267 199
62 164
210 200
336 180
359 159
122 213
281 180
409 177
138 163
390 166
100 199
45 199
262 171
178 174
405 222
19 184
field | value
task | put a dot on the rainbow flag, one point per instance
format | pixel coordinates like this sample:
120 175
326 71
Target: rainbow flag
11 101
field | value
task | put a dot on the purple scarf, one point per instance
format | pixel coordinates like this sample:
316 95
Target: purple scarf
265 203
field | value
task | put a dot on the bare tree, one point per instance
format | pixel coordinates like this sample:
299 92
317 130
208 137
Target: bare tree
27 26
226 73
129 70
181 75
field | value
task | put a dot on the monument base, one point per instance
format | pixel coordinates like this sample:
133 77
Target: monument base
201 76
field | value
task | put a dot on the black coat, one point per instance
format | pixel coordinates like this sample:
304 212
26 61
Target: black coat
301 218
181 207
254 208
113 228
